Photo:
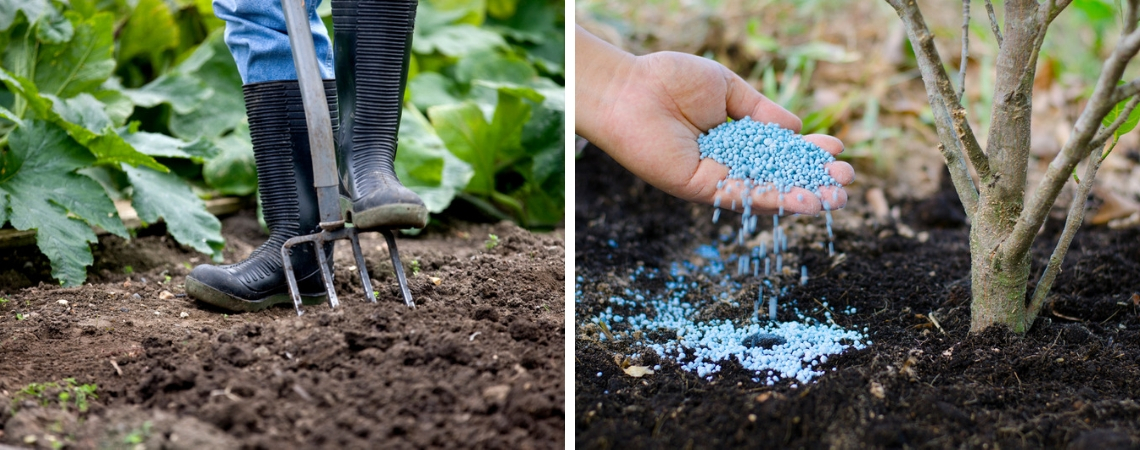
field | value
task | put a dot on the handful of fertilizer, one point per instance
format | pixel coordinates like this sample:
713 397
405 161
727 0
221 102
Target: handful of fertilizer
765 156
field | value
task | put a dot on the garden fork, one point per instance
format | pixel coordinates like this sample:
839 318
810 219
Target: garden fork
333 227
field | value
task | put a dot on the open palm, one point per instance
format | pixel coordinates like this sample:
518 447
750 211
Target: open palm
668 99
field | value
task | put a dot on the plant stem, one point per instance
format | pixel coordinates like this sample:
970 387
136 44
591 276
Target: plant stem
994 22
1076 214
965 52
1073 222
954 131
1075 149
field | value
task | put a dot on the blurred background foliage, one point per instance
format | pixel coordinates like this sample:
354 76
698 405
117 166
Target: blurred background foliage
139 101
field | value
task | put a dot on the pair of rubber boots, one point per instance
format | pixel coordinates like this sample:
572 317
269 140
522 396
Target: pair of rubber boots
372 45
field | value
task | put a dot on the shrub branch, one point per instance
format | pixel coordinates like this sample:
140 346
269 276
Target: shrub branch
993 22
950 118
965 51
1076 148
1076 214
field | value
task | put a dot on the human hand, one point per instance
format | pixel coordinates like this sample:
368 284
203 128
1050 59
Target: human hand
655 106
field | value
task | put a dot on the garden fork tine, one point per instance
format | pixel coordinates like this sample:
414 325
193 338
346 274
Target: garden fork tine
325 180
399 267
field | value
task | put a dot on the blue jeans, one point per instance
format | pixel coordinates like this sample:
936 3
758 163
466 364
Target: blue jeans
256 36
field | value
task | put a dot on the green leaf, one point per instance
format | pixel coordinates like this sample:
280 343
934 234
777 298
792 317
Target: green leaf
54 28
502 9
425 166
80 64
225 109
5 113
40 190
458 41
485 145
149 31
233 170
430 89
184 93
83 110
1129 124
463 128
117 106
429 19
471 12
32 9
492 66
107 146
165 196
161 145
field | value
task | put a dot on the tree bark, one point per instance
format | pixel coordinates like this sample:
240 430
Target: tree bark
998 286
999 282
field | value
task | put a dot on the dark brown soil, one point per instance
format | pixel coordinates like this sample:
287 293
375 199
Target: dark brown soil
478 363
1073 381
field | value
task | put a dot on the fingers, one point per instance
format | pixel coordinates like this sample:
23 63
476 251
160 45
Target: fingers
828 143
768 201
742 100
833 197
841 172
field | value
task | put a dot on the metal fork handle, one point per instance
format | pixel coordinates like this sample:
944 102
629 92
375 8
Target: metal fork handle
316 113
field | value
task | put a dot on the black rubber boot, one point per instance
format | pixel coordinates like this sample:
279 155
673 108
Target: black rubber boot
372 44
288 200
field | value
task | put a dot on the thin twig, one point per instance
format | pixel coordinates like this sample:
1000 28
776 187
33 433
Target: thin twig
1107 132
994 22
965 52
1130 12
1075 149
1046 12
950 118
1076 214
1126 90
1073 222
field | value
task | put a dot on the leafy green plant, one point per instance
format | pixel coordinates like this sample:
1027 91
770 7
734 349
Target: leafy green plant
486 109
19 316
66 146
491 242
66 394
140 101
415 266
138 435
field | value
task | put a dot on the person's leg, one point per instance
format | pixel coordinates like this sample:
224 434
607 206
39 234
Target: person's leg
289 202
256 36
373 44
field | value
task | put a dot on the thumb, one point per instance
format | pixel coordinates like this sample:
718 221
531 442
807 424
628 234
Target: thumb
742 100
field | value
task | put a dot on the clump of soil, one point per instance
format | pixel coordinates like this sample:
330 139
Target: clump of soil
479 362
1073 380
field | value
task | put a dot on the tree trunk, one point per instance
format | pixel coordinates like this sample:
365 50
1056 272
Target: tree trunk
999 280
998 284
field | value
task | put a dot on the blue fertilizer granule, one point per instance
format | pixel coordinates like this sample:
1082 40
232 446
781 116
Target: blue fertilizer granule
672 322
767 156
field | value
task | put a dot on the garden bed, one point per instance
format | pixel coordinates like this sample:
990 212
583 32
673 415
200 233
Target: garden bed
479 362
1073 380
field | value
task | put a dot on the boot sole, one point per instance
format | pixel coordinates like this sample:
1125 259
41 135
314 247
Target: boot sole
391 216
208 294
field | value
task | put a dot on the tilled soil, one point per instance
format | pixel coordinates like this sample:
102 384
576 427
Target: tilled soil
478 363
1073 381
